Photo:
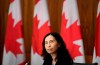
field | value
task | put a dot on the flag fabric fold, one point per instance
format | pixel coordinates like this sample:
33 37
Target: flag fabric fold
14 53
41 26
96 53
70 30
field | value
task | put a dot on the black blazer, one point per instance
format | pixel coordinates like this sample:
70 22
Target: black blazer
59 62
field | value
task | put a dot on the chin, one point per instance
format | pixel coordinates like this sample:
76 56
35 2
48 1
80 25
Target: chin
51 52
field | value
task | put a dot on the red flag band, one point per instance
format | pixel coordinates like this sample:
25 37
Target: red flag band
70 30
14 46
41 26
96 55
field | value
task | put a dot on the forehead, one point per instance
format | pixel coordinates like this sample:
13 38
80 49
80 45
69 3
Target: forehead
50 37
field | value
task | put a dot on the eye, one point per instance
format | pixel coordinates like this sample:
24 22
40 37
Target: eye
51 41
46 42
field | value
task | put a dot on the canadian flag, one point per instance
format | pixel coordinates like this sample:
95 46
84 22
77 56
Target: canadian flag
96 55
14 46
41 26
70 30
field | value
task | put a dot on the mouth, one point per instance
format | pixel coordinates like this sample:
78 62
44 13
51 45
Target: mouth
49 49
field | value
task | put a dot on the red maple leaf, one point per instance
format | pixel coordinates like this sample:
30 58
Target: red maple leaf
97 38
36 1
11 1
64 0
38 35
12 34
69 35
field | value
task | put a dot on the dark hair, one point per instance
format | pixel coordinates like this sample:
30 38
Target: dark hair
62 52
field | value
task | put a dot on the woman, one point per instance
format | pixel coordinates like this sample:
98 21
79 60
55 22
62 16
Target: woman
54 50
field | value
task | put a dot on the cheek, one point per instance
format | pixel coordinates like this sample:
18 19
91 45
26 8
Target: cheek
45 46
56 46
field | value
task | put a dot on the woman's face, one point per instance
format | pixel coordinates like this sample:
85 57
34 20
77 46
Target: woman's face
51 45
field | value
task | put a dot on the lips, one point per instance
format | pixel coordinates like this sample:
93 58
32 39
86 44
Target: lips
49 49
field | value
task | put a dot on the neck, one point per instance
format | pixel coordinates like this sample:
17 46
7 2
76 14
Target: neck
54 57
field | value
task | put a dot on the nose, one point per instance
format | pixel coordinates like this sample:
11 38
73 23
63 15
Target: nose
49 45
